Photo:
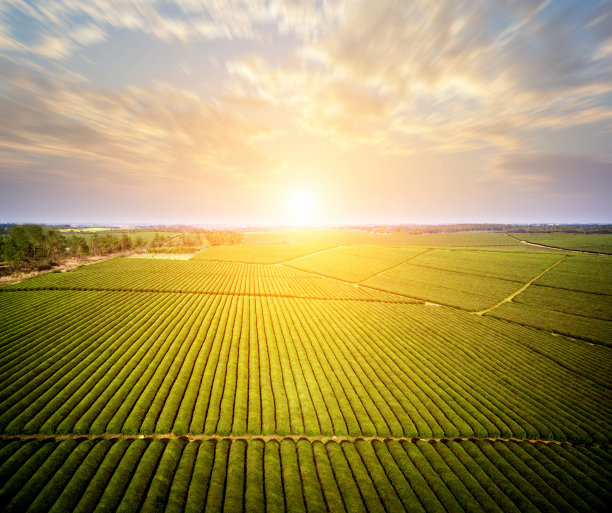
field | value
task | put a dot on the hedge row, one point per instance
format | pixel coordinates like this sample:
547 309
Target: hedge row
102 474
192 363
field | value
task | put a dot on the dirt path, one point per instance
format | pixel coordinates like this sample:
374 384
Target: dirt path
557 248
517 292
394 266
266 438
361 284
306 255
66 265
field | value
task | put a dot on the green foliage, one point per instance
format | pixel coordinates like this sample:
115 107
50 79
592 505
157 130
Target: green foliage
355 263
259 254
141 477
254 495
244 350
122 476
72 492
596 242
238 475
216 488
273 479
234 488
31 246
179 487
103 475
220 237
593 330
201 477
292 483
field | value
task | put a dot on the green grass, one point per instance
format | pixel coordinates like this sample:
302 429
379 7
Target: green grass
584 273
357 237
127 363
596 242
586 328
514 266
459 289
144 275
272 362
354 263
597 306
259 254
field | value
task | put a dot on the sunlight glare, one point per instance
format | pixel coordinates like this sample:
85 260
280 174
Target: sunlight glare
301 205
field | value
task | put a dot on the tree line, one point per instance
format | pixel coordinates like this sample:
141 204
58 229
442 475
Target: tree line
30 247
35 247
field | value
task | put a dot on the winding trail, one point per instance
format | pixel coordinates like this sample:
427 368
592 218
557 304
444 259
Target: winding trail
517 292
556 247
277 437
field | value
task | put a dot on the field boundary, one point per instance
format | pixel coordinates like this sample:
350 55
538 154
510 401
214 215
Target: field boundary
522 289
557 247
408 301
310 438
393 266
306 255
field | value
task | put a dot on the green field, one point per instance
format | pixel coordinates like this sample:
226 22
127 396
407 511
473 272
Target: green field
260 254
306 377
357 237
592 242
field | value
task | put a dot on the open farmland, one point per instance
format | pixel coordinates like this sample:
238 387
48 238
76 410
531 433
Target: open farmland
268 380
260 254
590 242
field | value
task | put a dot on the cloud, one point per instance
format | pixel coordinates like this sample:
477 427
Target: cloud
146 133
453 75
63 26
576 176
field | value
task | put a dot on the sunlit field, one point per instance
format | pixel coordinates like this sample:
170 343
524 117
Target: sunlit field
305 256
312 371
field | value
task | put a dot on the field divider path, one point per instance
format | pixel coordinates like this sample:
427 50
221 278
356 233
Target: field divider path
526 242
310 438
524 287
392 267
408 301
305 256
413 300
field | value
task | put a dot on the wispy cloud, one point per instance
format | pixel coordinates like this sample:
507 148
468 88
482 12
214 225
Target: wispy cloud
150 132
454 75
243 93
552 173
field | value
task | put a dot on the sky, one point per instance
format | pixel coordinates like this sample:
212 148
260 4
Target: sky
270 112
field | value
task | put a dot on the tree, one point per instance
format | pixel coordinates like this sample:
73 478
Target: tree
126 242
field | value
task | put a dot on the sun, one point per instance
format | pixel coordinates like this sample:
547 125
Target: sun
301 205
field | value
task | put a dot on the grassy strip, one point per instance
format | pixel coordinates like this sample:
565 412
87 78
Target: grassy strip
19 468
216 487
273 480
200 480
254 496
144 473
399 481
75 488
179 483
35 477
61 477
121 477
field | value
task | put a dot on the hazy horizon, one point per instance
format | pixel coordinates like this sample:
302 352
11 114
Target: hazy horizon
270 113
